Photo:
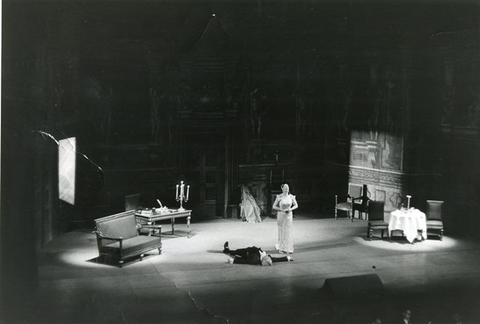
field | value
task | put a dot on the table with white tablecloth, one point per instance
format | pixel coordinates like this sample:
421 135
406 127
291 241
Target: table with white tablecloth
410 221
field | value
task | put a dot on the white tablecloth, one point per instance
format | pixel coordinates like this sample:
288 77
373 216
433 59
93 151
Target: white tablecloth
410 222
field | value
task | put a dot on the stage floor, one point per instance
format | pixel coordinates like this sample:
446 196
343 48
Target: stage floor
191 281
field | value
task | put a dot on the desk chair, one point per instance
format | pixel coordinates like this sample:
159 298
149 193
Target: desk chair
376 220
132 201
435 218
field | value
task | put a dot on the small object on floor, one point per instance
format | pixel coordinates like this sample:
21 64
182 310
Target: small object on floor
289 258
230 260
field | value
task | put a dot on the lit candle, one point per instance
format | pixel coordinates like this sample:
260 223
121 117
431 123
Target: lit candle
408 201
188 191
182 188
176 193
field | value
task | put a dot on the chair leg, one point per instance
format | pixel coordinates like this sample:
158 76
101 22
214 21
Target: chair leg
335 212
441 235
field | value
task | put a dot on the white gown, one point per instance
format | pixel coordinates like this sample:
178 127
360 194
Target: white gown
284 221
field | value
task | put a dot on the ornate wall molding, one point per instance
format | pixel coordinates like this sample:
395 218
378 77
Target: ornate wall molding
388 178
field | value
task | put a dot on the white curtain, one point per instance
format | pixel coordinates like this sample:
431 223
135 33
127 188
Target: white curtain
249 210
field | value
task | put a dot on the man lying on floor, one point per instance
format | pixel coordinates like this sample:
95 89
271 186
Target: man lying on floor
253 255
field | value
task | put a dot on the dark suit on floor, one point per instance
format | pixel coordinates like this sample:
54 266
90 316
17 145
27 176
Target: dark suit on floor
250 255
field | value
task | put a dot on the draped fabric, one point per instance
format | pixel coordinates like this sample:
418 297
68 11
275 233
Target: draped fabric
249 210
284 222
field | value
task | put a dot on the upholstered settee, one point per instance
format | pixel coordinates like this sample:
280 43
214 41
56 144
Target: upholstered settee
119 237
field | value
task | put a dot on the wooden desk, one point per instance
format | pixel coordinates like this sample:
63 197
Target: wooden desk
150 218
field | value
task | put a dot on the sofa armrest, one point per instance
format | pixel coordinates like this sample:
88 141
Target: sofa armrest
101 236
117 239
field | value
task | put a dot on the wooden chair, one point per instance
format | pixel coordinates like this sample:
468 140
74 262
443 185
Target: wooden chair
347 206
376 219
360 203
435 218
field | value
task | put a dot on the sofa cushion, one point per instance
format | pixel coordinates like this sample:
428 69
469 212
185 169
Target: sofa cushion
134 245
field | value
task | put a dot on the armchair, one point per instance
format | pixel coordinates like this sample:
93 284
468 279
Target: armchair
118 237
376 220
435 217
347 206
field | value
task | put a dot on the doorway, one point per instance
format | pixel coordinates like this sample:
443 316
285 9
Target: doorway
204 169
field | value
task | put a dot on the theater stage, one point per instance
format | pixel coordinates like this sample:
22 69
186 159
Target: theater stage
191 282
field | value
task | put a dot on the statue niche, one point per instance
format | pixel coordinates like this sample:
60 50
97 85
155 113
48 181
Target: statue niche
207 99
208 68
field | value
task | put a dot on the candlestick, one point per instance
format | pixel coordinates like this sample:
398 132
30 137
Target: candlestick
182 192
408 201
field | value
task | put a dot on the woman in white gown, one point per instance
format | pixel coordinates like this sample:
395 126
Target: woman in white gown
284 204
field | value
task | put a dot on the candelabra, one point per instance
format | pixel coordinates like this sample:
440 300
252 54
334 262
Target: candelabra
180 195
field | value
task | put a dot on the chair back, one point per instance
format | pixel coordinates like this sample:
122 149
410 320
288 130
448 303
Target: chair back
355 190
361 195
132 201
364 196
434 209
376 210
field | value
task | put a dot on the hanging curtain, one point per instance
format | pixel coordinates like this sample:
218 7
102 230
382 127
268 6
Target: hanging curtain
249 210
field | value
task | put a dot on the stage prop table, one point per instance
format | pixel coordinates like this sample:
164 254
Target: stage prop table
410 221
151 216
